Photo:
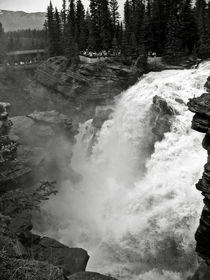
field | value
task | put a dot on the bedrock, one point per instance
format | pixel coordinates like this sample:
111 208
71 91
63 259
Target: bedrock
201 123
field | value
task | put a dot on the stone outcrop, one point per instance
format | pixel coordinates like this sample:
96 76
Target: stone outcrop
201 123
86 85
90 276
162 117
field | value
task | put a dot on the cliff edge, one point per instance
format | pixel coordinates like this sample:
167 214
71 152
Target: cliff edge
201 123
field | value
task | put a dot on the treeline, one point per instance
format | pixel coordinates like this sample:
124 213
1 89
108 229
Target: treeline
169 27
25 40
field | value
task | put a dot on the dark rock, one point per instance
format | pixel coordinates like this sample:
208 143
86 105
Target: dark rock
86 85
90 276
200 123
207 85
201 107
100 117
162 117
71 260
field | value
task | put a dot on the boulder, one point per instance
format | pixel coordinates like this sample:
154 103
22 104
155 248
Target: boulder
162 117
200 105
207 85
71 260
90 276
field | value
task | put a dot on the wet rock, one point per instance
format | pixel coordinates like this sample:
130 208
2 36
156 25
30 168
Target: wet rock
207 85
200 105
163 115
90 276
201 121
86 85
100 117
71 260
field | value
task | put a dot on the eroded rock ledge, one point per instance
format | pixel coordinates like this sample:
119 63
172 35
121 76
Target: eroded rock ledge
201 123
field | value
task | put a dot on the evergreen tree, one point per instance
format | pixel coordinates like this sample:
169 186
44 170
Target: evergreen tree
94 41
174 43
114 13
105 26
64 14
202 25
127 19
51 34
139 13
188 29
58 34
81 28
160 10
147 28
71 47
2 44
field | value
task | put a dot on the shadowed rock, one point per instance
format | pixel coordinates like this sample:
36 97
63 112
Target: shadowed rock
201 122
90 276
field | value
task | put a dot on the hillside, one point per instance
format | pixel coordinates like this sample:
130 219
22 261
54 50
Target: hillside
13 21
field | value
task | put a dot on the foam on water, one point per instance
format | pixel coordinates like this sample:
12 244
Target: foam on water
137 222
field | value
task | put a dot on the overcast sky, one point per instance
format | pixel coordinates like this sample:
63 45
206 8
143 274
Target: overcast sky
37 5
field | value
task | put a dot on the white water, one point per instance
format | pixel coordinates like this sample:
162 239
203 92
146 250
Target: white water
137 223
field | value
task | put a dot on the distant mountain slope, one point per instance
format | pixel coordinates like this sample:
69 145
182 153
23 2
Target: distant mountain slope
20 20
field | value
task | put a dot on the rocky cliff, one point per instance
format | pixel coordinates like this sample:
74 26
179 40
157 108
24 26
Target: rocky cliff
201 123
84 86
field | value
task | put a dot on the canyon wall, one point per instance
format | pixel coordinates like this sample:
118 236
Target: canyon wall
201 123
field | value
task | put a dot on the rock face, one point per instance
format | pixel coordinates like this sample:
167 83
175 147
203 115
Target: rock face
86 85
201 123
162 117
90 276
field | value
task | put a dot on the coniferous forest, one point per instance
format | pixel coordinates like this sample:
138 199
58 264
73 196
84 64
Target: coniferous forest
163 27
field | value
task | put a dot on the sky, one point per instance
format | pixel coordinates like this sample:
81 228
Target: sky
38 5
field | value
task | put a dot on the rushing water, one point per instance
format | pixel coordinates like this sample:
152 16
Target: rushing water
137 222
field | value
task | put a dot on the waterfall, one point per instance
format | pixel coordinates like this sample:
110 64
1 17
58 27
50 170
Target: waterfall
136 209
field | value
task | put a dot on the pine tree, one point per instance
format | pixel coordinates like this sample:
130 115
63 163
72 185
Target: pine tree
58 33
174 42
202 25
128 19
160 10
94 41
81 29
147 28
2 44
188 29
52 40
105 26
139 14
114 13
64 14
71 47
